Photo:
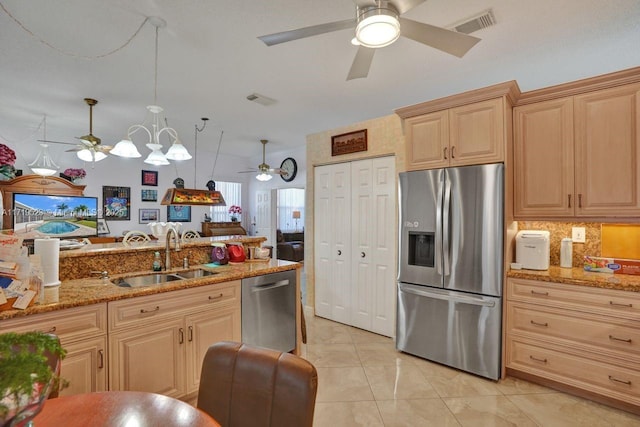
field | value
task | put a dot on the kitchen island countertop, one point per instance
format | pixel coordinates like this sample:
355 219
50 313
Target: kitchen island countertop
86 291
580 277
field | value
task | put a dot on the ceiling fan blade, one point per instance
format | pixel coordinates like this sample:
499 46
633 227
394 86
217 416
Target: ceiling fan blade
72 150
104 148
404 6
361 63
445 40
278 171
251 171
300 33
56 142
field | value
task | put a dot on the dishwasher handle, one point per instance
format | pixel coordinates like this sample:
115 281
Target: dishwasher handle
269 286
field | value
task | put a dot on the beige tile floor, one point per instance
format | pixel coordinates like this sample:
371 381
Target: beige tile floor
364 381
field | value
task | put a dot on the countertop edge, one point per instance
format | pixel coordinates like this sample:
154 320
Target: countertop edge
580 277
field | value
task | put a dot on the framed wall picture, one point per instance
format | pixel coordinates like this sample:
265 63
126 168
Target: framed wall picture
146 216
103 228
150 178
178 213
149 195
350 142
116 203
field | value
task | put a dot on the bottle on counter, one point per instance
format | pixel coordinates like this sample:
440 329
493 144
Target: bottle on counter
157 262
566 252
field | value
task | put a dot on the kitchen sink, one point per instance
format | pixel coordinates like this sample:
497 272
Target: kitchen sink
146 280
160 278
192 274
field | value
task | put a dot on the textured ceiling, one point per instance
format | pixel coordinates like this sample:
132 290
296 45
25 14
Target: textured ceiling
210 60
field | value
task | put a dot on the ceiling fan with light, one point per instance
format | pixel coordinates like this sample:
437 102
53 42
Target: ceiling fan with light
89 149
264 170
378 24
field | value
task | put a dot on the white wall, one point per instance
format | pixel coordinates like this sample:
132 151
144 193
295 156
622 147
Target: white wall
117 171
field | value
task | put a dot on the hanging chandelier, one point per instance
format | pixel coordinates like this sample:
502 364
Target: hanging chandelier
177 151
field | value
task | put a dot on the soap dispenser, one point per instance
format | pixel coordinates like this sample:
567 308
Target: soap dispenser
157 262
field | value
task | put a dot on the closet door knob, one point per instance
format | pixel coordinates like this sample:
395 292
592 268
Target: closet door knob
339 252
362 254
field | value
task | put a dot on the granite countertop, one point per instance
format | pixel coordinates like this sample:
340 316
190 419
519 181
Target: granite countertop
78 292
578 276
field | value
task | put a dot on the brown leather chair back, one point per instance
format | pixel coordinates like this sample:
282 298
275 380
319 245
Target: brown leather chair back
243 386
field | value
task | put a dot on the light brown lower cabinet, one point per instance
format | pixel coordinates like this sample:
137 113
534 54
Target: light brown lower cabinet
83 333
576 338
157 343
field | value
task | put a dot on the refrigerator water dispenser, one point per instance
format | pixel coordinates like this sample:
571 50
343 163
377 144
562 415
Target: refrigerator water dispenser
532 249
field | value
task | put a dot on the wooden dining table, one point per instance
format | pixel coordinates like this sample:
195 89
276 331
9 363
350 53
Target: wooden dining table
120 409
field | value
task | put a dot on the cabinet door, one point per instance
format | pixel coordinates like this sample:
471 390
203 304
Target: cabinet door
543 159
85 366
477 133
373 186
607 152
332 214
205 329
149 358
427 141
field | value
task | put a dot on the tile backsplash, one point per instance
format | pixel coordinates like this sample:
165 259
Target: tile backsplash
559 230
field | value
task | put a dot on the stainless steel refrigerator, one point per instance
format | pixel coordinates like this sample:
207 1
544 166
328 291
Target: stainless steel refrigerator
451 266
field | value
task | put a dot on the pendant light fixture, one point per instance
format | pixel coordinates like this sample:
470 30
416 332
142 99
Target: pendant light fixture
194 196
44 165
177 151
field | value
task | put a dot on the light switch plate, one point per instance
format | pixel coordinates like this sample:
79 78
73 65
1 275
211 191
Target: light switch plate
577 234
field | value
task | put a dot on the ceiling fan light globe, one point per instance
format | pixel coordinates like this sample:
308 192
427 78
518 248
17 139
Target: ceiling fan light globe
177 151
87 155
126 148
379 29
44 171
262 176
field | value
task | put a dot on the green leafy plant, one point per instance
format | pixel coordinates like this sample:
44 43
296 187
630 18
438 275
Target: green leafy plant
27 373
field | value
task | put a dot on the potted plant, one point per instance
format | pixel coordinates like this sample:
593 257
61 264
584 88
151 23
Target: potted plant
30 366
7 160
74 175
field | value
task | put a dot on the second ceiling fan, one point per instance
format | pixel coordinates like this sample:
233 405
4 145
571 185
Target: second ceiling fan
378 24
264 170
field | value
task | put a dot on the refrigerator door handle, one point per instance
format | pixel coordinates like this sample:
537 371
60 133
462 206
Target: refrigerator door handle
438 250
446 208
466 299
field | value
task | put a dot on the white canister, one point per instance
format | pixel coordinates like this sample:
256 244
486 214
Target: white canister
566 253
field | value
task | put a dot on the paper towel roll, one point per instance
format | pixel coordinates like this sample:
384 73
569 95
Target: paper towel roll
49 251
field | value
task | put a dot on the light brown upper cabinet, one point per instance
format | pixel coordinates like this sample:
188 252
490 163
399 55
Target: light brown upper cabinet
466 135
578 156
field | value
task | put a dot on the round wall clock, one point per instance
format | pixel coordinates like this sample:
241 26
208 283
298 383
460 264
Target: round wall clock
290 166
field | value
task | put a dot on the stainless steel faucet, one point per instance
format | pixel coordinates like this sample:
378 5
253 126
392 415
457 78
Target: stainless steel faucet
167 248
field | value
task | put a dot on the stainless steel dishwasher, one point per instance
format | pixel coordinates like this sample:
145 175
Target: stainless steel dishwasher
269 311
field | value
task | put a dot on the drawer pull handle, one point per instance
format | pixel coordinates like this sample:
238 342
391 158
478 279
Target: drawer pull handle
445 153
190 333
453 153
181 335
545 324
614 379
611 337
569 196
546 294
216 297
540 360
617 304
52 330
143 311
100 359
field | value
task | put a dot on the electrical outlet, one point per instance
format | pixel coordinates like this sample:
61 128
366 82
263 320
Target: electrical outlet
577 234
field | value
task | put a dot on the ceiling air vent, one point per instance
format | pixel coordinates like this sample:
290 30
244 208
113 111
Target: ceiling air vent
478 22
261 99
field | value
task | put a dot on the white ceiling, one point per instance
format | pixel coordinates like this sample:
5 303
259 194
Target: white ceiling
210 60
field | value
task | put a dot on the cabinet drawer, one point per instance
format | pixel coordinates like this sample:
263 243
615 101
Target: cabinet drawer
591 375
615 336
70 324
610 302
138 311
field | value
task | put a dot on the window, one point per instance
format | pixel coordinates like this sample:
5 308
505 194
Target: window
291 209
232 193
